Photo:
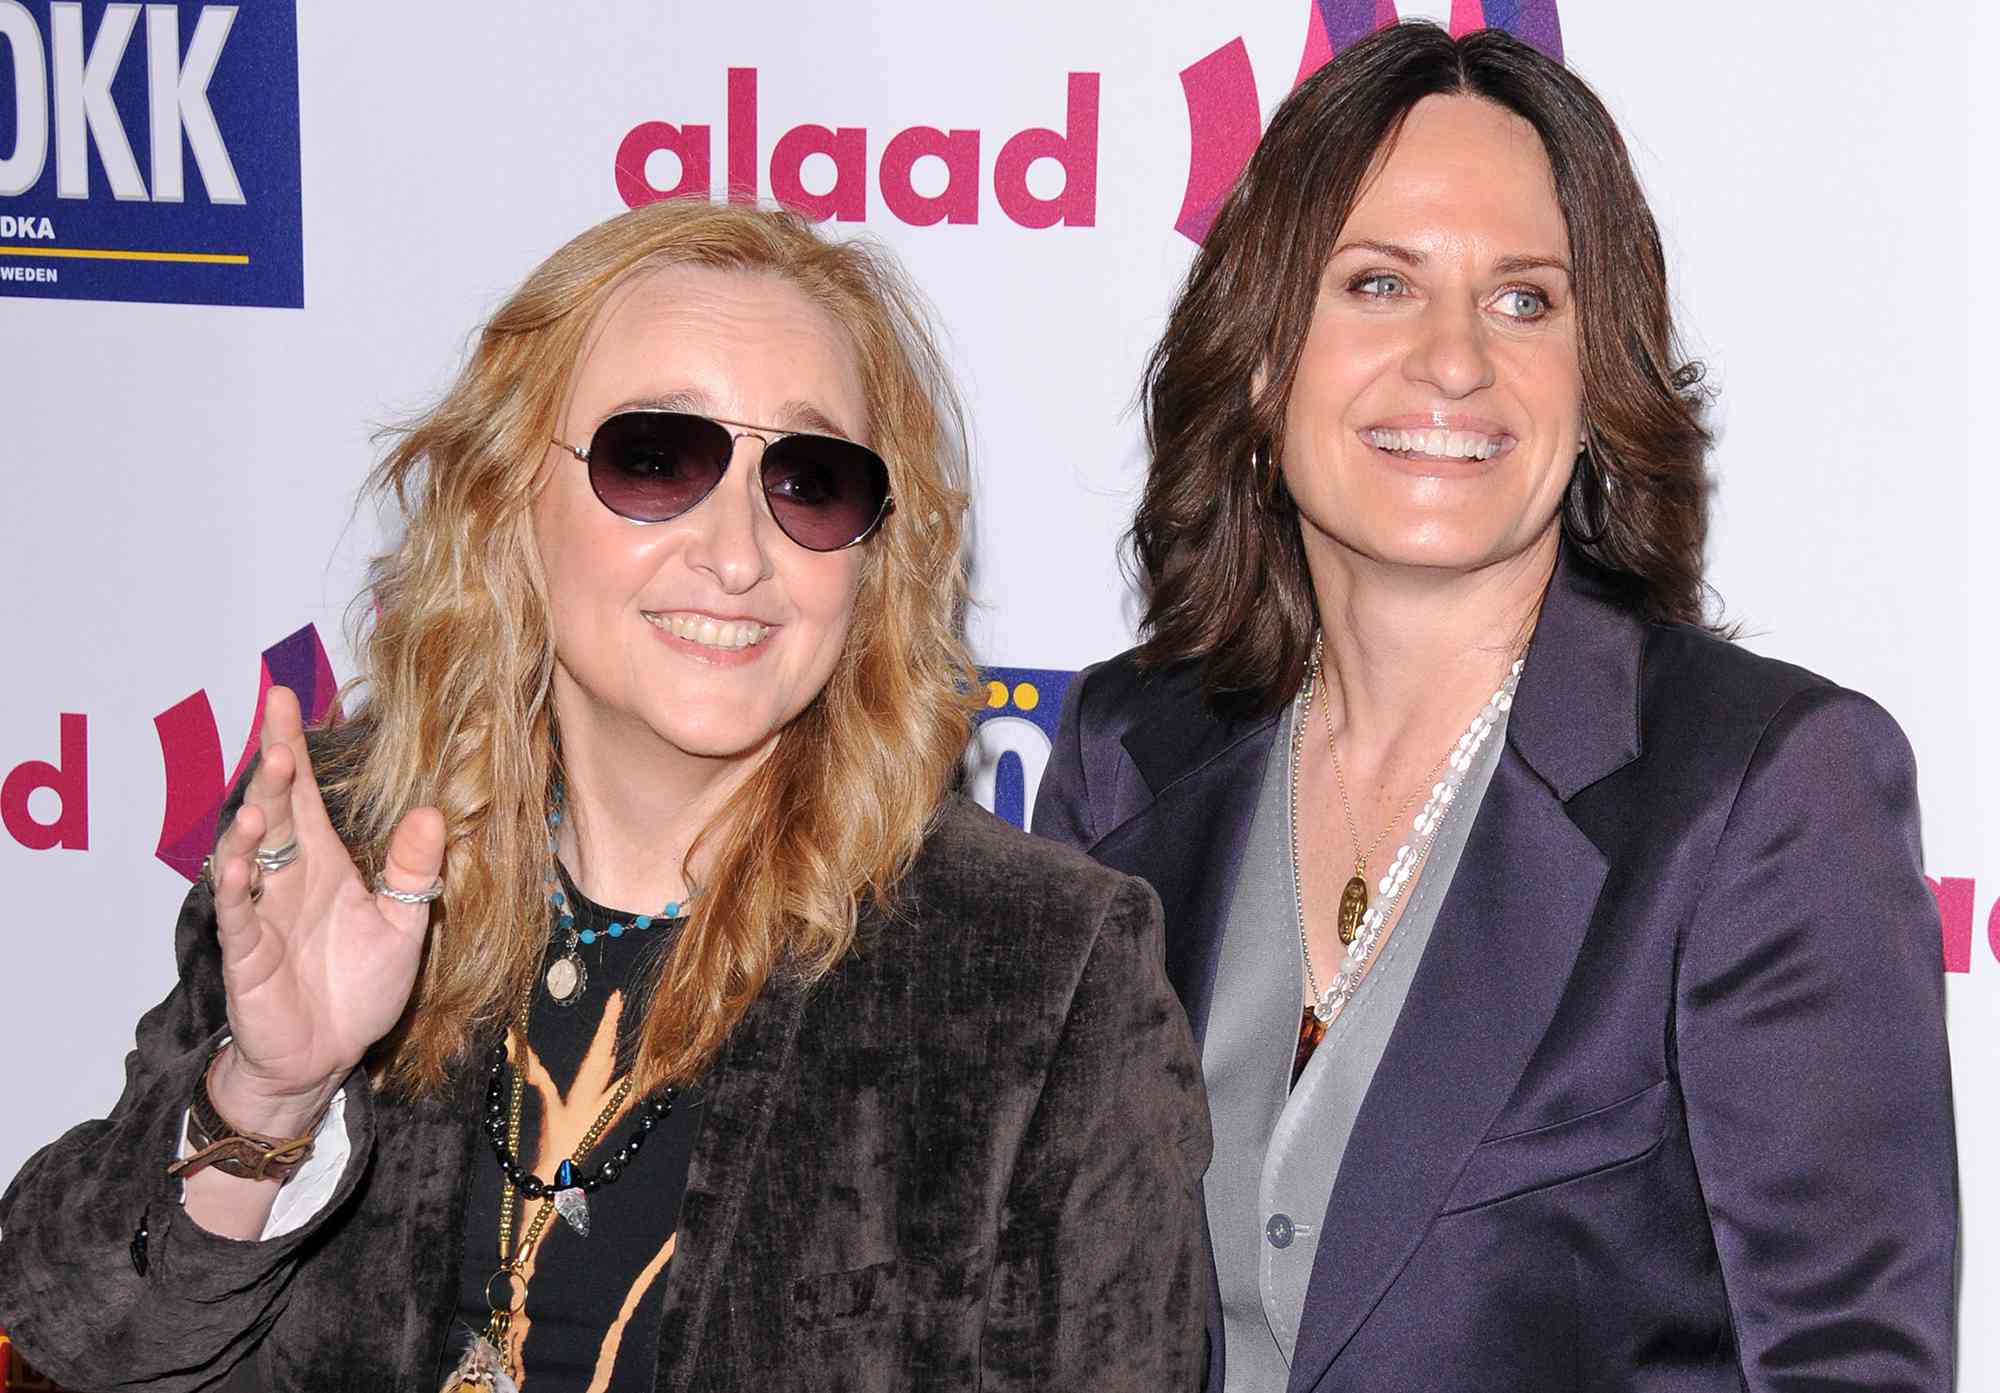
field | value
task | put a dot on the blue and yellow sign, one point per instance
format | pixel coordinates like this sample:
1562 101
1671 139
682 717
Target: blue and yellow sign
150 152
1013 737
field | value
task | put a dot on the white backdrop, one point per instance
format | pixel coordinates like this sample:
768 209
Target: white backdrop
180 478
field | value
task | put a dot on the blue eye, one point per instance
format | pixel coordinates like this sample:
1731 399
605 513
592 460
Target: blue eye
1380 285
1522 303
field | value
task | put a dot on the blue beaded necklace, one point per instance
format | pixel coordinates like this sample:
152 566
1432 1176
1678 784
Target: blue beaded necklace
566 976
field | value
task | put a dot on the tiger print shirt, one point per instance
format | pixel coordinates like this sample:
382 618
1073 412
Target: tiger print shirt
592 1317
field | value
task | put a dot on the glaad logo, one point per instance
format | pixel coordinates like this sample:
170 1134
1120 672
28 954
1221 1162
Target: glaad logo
1013 737
1073 150
191 746
1225 119
74 94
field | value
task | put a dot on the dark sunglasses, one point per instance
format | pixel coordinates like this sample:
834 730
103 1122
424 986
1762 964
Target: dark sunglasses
651 466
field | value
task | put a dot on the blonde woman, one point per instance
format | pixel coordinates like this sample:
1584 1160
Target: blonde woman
620 1000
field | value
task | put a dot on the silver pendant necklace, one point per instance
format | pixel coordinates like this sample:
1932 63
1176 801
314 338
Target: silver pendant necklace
1327 1003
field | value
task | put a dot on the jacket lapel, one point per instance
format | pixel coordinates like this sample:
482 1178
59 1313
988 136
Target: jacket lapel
1188 843
742 1091
1205 773
1506 939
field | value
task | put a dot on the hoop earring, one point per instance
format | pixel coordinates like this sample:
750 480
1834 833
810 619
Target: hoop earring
1586 504
1264 469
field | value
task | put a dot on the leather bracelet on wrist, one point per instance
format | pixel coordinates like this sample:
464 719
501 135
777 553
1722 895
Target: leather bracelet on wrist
245 1155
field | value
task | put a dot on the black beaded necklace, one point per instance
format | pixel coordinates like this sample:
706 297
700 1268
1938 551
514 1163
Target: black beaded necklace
651 1113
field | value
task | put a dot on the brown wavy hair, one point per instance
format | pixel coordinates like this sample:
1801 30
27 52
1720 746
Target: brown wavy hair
458 656
1216 539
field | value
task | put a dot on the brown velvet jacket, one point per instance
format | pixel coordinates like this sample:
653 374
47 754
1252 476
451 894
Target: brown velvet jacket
967 1159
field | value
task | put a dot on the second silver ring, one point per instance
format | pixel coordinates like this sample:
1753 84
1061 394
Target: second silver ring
433 891
271 860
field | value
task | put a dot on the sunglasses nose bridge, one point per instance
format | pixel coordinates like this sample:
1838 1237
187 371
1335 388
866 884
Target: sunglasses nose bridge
736 438
730 526
739 434
753 486
764 443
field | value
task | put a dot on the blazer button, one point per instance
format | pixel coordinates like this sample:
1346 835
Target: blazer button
1280 1230
138 1249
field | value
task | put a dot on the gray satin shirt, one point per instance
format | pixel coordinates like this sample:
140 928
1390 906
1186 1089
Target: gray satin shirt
1278 1153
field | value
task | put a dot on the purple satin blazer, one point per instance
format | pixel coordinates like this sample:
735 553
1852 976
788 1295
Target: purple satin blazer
1669 1105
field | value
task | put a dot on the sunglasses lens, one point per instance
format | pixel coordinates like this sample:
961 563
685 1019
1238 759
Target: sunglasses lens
654 465
825 492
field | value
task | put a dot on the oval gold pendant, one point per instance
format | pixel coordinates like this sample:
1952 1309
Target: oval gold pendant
1353 904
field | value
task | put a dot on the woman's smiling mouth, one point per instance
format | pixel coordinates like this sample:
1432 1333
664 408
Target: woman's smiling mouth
1437 443
724 634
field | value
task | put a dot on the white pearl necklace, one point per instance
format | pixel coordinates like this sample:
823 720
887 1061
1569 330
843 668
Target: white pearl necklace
1353 964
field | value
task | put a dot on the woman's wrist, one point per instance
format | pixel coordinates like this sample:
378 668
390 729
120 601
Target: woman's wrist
251 1105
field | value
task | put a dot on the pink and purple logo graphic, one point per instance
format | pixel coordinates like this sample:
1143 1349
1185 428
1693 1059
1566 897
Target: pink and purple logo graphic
1225 118
191 745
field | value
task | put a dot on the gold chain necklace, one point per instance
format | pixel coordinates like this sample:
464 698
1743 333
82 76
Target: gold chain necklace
1354 896
1325 1005
486 1363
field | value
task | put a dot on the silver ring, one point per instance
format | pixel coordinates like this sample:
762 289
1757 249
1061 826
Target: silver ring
434 890
256 887
271 860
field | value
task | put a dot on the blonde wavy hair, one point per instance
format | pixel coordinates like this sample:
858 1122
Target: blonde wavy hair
456 662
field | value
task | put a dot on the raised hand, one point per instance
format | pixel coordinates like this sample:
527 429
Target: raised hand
317 966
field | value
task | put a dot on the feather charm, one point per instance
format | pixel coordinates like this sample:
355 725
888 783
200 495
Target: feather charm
481 1367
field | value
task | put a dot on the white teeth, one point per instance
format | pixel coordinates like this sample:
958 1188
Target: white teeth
711 633
1438 443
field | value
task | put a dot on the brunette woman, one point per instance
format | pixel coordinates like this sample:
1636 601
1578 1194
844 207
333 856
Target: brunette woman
1568 992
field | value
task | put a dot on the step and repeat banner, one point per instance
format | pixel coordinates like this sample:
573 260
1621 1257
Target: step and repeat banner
236 240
